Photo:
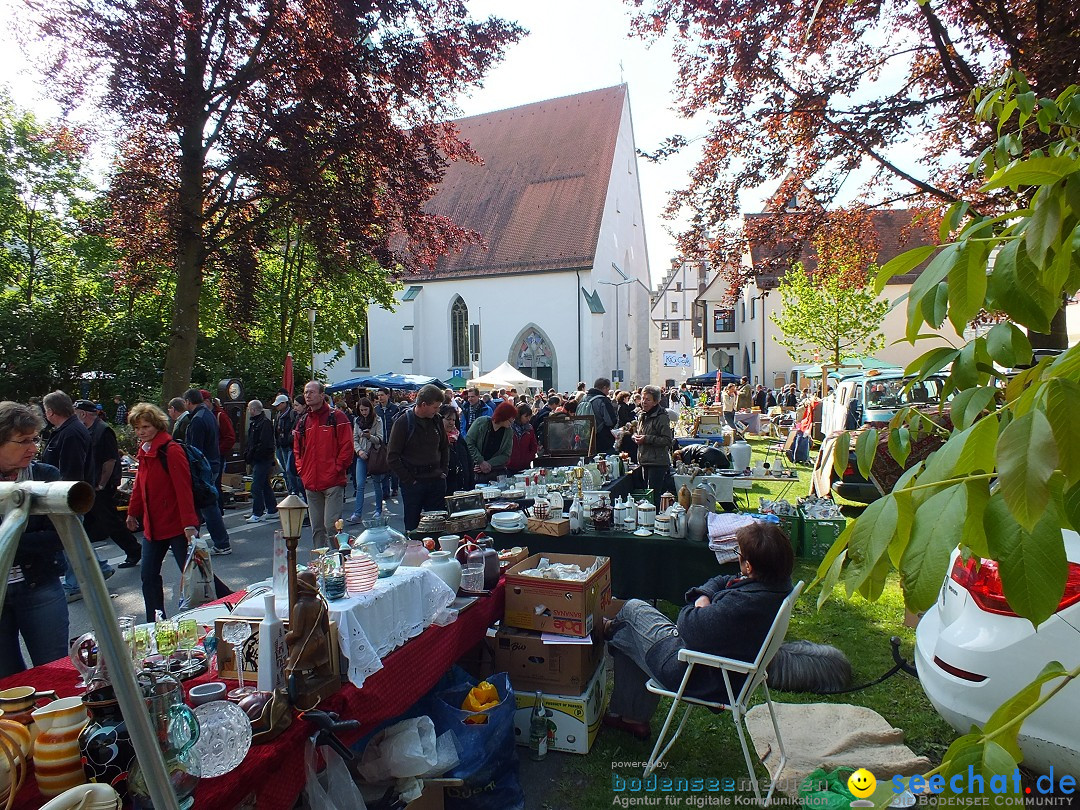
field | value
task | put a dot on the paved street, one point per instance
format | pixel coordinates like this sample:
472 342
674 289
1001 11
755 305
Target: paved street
252 545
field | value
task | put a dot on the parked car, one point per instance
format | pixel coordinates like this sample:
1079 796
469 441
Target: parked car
973 653
875 396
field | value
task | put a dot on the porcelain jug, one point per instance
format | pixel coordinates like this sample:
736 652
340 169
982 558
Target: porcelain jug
677 516
697 523
443 565
740 455
57 758
646 514
107 751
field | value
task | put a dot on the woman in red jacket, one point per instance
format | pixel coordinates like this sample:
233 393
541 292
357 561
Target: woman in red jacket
521 457
161 499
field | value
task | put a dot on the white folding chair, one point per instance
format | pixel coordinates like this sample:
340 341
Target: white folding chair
736 704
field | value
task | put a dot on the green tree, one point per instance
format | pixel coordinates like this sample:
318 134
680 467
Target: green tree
826 315
1006 481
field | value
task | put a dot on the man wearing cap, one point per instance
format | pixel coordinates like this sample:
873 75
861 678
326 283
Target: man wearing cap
283 440
103 520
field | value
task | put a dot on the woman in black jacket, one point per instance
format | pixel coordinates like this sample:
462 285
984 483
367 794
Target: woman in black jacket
460 476
35 606
727 616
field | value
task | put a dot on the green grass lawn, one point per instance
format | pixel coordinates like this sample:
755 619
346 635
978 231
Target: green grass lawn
709 746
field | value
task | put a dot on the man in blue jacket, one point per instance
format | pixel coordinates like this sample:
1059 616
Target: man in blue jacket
202 433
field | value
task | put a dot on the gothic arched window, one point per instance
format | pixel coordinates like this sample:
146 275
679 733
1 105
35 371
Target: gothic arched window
459 334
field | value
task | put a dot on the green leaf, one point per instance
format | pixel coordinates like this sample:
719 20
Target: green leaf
967 285
964 373
977 454
874 530
865 449
1015 287
898 265
935 306
1035 171
841 454
966 406
1070 503
1033 565
972 754
951 219
1026 102
936 530
1044 224
1062 398
831 576
1019 703
900 444
978 494
1026 458
931 362
1008 345
927 284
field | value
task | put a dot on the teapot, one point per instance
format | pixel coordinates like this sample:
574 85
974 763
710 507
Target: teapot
677 517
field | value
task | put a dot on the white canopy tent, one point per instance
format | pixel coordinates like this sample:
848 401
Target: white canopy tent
505 376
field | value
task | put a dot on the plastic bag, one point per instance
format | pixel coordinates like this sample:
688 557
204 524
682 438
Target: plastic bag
334 788
404 749
827 789
489 761
197 578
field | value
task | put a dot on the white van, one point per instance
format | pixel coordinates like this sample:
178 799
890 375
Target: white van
874 396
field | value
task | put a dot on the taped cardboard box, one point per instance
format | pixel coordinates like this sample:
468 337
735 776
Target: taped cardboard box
250 658
564 669
573 720
567 607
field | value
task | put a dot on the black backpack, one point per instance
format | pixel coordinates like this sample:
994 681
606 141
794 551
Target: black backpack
203 490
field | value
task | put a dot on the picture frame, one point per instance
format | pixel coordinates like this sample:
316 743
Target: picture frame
570 435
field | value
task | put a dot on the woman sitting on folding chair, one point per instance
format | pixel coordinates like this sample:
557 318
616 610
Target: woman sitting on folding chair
730 616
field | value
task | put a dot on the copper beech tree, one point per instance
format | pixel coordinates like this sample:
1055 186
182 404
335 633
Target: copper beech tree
226 111
807 91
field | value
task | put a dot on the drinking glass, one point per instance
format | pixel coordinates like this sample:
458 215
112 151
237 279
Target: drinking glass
472 577
126 625
140 646
187 631
165 637
236 633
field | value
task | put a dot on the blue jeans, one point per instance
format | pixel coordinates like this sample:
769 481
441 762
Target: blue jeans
361 482
638 626
153 555
39 613
71 584
427 494
262 494
211 516
287 463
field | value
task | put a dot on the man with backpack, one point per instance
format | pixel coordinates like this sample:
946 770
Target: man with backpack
599 404
323 452
418 452
202 434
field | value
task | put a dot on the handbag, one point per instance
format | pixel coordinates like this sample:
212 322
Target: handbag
377 463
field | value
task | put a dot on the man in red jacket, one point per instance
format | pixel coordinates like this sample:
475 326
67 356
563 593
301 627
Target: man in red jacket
323 450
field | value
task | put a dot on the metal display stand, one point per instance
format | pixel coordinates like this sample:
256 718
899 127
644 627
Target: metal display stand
62 501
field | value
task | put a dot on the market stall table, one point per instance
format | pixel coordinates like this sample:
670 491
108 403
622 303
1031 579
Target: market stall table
641 567
271 777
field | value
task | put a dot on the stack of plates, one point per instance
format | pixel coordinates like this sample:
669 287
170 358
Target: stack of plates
360 573
508 522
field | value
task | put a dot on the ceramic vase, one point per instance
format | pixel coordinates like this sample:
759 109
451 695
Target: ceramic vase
740 455
57 758
107 751
697 523
415 554
443 565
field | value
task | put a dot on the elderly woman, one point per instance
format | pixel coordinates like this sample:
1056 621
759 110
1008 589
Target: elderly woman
35 606
161 500
653 439
728 616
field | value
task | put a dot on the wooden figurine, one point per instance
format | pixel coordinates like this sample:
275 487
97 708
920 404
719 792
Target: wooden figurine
309 671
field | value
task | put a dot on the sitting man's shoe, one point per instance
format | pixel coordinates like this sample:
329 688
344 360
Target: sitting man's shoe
639 730
130 562
221 552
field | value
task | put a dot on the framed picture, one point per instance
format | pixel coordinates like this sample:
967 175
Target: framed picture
570 435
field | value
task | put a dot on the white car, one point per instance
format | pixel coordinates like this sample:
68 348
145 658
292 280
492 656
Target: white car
973 653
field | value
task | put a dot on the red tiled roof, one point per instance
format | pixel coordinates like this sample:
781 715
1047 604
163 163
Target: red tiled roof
895 229
539 195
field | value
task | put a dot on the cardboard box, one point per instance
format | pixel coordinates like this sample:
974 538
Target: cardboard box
509 557
564 669
551 528
566 607
576 718
433 795
234 480
227 661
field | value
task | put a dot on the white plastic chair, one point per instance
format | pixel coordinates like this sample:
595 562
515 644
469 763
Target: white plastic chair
736 704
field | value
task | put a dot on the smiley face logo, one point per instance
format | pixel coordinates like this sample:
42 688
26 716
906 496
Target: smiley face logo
862 783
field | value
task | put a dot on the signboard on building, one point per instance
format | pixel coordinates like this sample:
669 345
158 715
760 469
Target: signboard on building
676 360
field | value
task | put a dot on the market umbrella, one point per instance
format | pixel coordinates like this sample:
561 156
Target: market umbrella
404 382
457 382
287 375
708 379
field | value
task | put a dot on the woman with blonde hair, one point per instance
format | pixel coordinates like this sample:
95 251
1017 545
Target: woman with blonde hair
728 403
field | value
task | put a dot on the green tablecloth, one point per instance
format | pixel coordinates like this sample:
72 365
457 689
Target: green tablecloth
641 567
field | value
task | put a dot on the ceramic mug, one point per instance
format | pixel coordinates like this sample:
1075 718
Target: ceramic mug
449 542
20 699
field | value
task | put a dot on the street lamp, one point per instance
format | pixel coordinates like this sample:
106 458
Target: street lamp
764 294
311 321
616 285
292 511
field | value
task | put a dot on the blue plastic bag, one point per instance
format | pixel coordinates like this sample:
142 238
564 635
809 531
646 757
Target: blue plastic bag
489 761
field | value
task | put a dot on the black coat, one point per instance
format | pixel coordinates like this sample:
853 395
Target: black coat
260 440
70 451
733 626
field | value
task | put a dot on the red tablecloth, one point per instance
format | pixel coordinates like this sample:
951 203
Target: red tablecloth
274 772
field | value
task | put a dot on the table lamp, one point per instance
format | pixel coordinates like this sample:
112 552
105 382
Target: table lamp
292 511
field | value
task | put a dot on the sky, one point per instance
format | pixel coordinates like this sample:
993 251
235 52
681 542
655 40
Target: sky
573 46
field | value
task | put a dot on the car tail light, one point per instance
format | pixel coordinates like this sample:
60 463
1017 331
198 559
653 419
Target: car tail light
981 579
850 471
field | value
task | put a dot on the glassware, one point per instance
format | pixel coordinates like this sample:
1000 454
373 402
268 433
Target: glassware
177 731
165 637
187 632
382 543
126 625
236 633
472 577
224 739
140 645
